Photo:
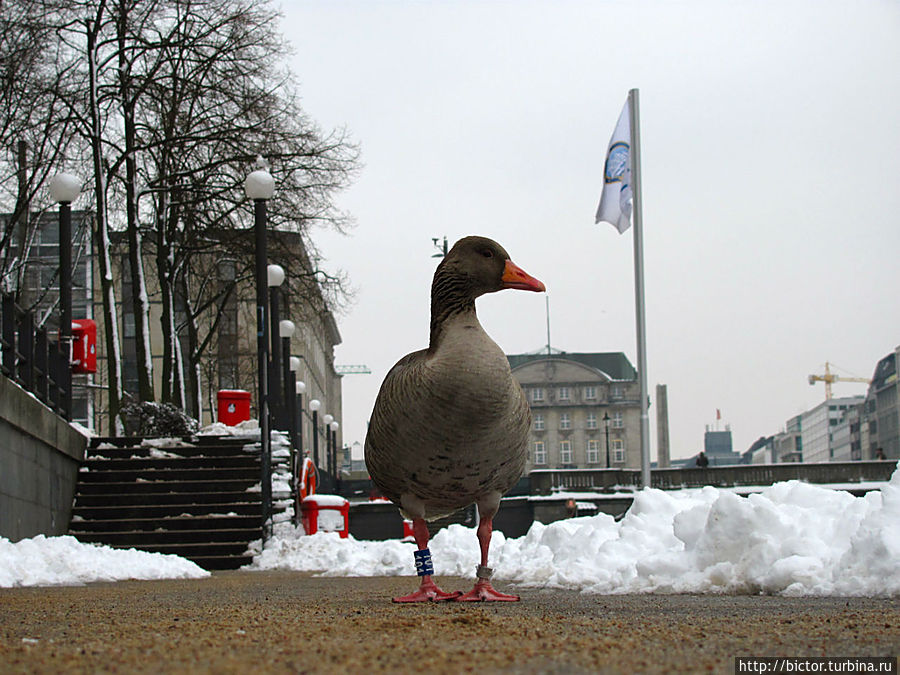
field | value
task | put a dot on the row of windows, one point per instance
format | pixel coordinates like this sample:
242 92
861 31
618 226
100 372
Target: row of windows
591 455
564 394
616 421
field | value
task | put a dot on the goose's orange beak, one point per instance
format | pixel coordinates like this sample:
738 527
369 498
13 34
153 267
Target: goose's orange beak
515 277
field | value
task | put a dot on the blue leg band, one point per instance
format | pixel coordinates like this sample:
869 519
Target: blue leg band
423 562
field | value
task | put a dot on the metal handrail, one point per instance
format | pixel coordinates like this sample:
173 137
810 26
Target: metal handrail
31 359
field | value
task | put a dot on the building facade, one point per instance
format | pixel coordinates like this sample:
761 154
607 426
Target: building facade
585 408
881 417
818 425
788 444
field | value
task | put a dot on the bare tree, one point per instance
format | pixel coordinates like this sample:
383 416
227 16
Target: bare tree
213 105
174 100
35 125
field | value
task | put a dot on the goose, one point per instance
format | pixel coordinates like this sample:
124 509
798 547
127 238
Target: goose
450 423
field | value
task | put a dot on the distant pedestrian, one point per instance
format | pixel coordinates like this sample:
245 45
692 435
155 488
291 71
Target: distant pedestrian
702 460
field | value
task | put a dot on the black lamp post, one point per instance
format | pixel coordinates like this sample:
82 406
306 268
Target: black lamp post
314 405
274 279
64 189
297 430
329 456
297 412
606 425
260 187
332 431
285 331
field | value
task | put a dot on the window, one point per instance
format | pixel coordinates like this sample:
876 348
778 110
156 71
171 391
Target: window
540 454
618 420
617 392
537 395
538 422
563 393
565 452
590 393
565 422
593 452
592 420
618 448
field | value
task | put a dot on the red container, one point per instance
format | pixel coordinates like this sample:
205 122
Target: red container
326 513
234 406
84 346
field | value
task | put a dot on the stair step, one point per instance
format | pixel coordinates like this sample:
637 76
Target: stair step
142 493
168 537
236 448
222 562
143 511
223 521
163 487
173 463
217 548
169 475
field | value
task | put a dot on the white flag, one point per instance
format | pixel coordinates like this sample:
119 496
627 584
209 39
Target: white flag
615 201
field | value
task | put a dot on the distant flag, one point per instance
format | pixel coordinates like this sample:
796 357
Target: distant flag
718 414
616 199
620 202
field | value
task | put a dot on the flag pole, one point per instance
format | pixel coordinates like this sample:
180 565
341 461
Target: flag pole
639 284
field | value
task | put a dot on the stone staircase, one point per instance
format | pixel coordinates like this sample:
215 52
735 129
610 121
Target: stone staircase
197 498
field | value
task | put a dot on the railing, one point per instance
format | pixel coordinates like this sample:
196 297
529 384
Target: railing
547 481
31 359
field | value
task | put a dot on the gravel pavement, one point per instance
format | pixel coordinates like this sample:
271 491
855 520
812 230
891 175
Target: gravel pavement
289 622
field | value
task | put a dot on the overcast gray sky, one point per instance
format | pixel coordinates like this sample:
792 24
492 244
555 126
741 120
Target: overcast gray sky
771 176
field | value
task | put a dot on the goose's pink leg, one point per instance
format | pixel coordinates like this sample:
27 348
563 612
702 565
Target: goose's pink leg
483 591
428 590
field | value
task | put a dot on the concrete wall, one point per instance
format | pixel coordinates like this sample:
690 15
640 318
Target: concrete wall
40 455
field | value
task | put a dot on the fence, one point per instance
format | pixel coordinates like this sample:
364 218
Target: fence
29 357
611 480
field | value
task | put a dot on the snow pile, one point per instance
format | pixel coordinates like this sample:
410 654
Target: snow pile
54 561
791 539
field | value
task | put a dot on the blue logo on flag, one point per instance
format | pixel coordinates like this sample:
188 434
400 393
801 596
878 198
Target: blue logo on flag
616 162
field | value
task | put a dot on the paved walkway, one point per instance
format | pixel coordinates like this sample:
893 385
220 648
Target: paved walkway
285 622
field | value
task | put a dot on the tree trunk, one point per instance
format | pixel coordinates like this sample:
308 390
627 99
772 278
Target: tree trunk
167 296
139 299
111 321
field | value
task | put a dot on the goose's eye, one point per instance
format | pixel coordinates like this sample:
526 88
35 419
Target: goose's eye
487 253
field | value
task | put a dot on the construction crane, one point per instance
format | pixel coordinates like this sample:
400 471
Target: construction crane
352 370
829 378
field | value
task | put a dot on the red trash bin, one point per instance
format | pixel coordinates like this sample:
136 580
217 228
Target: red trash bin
84 346
234 406
326 513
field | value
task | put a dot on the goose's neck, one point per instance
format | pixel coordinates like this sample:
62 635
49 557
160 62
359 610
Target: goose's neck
450 297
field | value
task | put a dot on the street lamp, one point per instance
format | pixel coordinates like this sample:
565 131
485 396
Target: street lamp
442 250
291 366
314 405
274 279
64 189
286 331
260 187
334 450
329 457
299 390
297 428
606 425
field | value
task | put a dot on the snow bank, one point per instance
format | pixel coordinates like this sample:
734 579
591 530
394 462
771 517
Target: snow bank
64 561
792 539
